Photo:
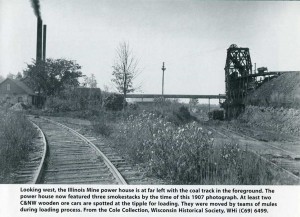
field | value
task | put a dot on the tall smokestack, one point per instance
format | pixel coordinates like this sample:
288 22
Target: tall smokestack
39 39
44 42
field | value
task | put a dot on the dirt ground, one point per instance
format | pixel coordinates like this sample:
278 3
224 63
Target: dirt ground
281 149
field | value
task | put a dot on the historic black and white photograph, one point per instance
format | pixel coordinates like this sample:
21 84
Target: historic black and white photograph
149 92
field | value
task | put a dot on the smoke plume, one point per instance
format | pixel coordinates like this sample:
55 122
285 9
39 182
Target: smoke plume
36 7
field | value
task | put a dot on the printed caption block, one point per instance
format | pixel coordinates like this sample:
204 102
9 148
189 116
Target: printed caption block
208 200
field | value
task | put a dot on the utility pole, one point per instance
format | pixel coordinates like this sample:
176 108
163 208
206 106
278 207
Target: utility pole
163 78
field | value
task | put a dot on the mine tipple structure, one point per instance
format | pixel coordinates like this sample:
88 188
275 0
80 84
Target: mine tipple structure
241 80
237 70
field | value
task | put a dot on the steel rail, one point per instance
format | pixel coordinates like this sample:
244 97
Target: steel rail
38 174
119 178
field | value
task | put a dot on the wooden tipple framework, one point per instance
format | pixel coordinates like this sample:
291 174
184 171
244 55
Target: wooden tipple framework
238 70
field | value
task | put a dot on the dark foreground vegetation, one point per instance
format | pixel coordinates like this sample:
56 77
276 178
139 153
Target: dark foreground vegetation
16 136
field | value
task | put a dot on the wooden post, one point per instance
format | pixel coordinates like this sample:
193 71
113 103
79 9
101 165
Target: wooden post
163 78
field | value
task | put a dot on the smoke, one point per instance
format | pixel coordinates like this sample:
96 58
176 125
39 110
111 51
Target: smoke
36 7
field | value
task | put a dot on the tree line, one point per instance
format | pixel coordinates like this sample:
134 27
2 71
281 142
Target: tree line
54 76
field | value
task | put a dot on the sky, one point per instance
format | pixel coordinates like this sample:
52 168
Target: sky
190 36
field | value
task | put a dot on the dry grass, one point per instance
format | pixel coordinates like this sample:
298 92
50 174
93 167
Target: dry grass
16 135
186 154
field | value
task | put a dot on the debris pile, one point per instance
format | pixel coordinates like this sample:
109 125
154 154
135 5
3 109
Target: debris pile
19 107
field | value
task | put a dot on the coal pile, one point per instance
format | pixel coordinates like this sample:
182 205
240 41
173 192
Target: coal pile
283 91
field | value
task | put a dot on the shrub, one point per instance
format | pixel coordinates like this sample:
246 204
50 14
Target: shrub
102 126
79 99
56 104
171 110
133 106
183 114
114 102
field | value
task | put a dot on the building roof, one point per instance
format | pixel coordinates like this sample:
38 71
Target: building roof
20 84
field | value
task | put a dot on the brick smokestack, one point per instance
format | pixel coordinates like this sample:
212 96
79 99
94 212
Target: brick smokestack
44 42
39 40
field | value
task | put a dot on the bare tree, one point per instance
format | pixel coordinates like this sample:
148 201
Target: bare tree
125 70
90 81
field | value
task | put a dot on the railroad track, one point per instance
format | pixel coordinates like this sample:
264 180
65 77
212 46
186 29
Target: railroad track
132 174
29 169
280 158
74 159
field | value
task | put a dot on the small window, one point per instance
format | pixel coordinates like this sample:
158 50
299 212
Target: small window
8 87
